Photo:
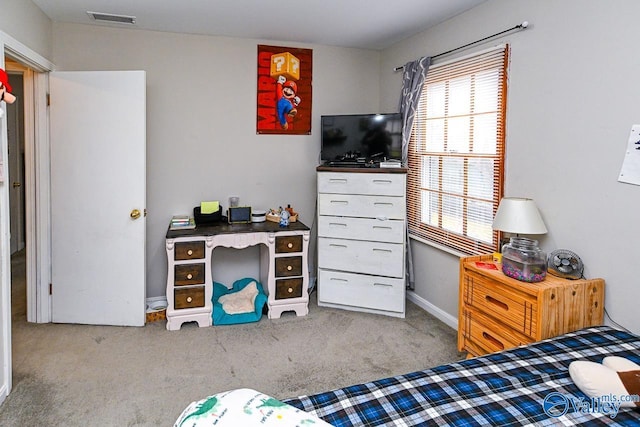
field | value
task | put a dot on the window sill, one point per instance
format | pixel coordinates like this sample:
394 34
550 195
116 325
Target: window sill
439 246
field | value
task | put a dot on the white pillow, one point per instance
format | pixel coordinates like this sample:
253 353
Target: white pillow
620 364
244 408
596 380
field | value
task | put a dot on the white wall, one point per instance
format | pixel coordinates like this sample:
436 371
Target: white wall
201 125
24 21
573 96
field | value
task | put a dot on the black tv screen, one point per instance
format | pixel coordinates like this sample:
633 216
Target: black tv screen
362 137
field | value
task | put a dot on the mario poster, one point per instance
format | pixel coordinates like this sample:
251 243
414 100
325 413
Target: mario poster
284 90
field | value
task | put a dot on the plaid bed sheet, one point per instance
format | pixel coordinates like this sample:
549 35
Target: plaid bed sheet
501 389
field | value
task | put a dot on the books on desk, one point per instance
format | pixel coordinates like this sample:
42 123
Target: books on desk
391 164
182 222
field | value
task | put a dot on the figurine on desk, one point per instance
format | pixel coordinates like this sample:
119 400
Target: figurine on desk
284 217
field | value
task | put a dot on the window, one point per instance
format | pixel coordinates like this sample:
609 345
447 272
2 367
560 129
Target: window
456 152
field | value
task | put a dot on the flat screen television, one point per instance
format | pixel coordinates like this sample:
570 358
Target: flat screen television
361 137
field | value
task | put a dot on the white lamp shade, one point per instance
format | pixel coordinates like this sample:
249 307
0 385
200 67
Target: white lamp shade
518 215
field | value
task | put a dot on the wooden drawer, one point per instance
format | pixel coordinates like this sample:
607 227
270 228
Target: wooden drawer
287 244
502 302
360 290
490 336
188 298
385 207
189 274
188 250
376 258
362 183
496 310
289 266
342 227
289 288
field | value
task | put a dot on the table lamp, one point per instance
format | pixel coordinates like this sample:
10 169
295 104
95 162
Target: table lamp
518 215
521 257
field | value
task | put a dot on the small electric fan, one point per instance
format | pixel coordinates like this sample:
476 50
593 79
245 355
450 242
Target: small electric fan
566 264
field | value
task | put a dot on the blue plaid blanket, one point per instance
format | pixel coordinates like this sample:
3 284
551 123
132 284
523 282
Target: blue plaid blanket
528 385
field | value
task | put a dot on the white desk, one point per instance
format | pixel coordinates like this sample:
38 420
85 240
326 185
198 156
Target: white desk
283 268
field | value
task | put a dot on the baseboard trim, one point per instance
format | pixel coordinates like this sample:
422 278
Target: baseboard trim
435 311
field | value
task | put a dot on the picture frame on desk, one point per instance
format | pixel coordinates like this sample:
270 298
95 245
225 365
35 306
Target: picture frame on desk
239 215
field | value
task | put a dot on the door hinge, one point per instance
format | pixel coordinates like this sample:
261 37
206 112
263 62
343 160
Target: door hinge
50 288
48 99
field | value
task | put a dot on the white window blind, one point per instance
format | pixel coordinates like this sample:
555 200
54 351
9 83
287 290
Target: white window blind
456 152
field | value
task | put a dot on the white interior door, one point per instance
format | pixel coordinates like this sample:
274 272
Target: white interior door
98 180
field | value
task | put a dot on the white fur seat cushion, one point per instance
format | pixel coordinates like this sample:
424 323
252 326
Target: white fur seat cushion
240 302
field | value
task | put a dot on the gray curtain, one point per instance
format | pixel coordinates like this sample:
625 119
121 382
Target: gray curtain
413 76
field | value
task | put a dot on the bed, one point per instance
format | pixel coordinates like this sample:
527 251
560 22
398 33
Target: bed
528 385
508 388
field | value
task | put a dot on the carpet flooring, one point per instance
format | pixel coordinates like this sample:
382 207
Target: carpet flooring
78 375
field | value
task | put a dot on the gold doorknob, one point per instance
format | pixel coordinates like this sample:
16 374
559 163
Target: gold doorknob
16 184
135 214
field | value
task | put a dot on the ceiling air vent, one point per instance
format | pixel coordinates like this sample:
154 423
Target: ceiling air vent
108 17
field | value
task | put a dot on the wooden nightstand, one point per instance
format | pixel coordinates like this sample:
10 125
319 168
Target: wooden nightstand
497 312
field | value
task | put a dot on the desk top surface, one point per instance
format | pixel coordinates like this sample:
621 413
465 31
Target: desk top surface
225 228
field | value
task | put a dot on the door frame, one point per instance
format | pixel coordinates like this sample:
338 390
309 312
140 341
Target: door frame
37 204
15 162
37 218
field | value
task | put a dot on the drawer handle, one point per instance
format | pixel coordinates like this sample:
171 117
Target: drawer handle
382 204
190 252
388 285
492 300
382 181
338 224
338 279
337 180
493 341
383 228
337 246
290 245
340 202
382 250
189 276
289 268
189 299
290 290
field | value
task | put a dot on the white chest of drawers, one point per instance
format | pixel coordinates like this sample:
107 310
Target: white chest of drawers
361 239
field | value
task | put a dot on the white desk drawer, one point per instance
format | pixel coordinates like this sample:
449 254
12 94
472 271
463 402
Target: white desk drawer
359 290
342 227
387 184
362 206
377 258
